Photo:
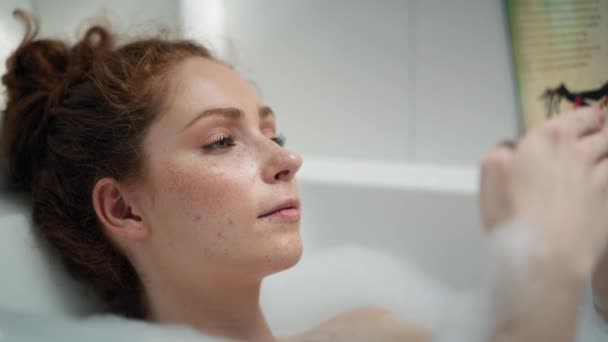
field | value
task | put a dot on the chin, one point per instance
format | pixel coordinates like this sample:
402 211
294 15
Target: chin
284 256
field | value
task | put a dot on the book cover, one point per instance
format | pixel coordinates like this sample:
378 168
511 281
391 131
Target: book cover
560 51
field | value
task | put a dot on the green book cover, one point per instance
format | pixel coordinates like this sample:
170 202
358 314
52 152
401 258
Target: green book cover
560 51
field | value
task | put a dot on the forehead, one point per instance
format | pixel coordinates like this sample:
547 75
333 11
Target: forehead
196 84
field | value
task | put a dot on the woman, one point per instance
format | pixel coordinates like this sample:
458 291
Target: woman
158 174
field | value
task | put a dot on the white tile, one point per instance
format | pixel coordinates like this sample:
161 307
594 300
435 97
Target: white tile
464 91
334 71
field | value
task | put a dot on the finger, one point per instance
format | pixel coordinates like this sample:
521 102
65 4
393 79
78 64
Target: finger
509 144
582 121
499 158
595 145
493 186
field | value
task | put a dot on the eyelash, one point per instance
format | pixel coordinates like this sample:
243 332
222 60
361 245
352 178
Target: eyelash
220 143
226 141
280 140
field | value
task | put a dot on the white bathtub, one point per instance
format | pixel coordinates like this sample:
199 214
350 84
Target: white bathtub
410 231
422 212
421 215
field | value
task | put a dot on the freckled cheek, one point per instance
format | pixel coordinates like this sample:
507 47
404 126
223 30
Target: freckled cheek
213 199
209 213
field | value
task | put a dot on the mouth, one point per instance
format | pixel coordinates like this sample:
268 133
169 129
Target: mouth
288 211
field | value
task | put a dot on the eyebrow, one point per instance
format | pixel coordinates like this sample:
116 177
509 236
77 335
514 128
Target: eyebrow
232 113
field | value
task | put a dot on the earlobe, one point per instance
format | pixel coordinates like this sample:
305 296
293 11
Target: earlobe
117 214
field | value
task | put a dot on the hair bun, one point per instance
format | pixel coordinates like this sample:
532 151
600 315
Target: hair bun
38 75
35 66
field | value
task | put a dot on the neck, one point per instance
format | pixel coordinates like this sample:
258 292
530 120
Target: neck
228 307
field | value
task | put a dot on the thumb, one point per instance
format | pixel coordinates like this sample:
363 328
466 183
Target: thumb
494 201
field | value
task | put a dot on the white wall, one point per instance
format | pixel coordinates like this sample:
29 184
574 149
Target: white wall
463 86
400 80
65 18
337 77
418 80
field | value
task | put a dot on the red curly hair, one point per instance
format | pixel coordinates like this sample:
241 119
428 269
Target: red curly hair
75 114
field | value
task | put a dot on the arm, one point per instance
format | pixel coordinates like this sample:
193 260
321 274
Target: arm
533 296
555 181
364 324
525 298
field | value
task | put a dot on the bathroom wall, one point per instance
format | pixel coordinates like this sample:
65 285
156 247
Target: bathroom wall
425 80
398 80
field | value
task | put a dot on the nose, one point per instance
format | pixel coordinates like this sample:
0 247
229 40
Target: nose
282 165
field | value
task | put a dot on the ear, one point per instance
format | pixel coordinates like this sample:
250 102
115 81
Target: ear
119 216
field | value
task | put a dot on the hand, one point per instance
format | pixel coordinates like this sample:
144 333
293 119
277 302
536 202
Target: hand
557 180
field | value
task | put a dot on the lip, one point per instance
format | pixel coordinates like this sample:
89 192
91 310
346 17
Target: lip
287 211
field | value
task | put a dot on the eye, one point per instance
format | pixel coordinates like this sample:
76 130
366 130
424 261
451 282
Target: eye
220 143
280 140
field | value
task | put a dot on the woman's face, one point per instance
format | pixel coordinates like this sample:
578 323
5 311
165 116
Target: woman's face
213 173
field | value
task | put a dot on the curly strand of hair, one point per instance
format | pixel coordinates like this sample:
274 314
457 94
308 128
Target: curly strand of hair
30 25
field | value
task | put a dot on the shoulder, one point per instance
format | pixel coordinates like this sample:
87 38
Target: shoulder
366 324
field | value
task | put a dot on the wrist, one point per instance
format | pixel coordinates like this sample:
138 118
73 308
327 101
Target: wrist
522 247
530 281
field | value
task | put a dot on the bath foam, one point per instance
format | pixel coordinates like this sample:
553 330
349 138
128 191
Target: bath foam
324 284
512 288
472 316
334 280
22 327
591 327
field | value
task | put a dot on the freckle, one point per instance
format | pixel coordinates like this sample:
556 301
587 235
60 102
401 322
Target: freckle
197 217
226 251
220 235
230 222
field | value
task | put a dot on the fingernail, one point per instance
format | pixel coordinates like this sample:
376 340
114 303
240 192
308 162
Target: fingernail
508 143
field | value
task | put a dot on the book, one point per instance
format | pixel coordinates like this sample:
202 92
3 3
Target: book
560 52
